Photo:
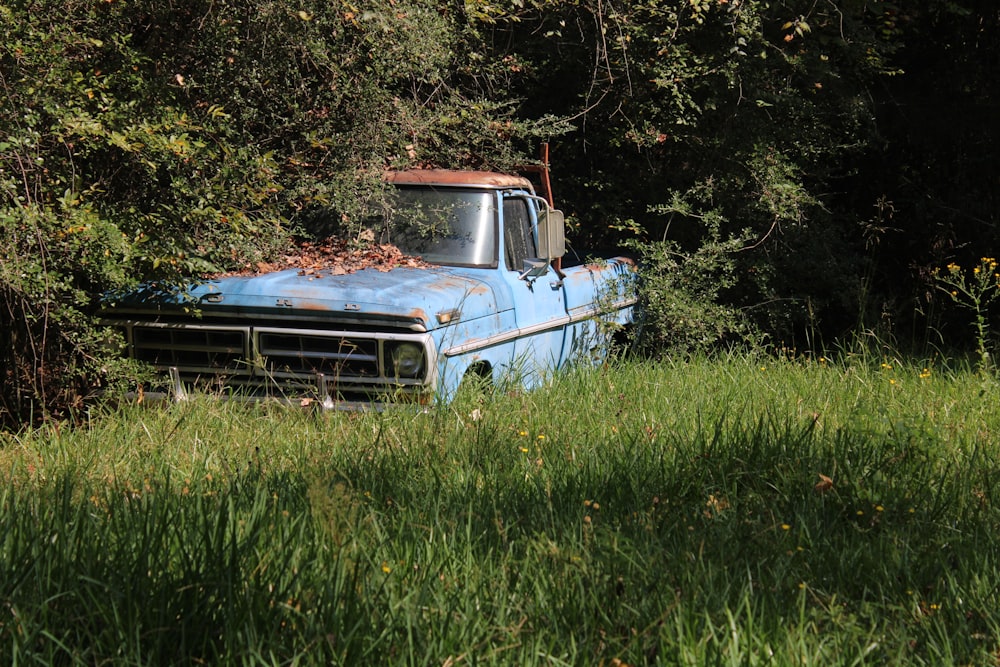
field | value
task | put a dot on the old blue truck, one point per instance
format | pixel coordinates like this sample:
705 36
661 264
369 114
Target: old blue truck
491 297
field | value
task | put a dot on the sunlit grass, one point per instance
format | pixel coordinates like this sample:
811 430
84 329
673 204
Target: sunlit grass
752 509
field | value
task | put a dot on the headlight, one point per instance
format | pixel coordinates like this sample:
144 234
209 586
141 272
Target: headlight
407 360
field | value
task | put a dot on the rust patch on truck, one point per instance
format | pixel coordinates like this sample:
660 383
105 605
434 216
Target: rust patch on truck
614 264
447 177
478 289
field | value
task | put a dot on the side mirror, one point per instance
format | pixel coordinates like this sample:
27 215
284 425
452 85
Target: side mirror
551 233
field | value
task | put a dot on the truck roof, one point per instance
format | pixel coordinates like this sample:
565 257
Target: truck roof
455 178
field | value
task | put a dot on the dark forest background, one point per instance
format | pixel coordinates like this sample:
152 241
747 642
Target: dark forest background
799 174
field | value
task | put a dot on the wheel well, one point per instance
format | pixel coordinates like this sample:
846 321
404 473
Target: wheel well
482 370
479 376
624 340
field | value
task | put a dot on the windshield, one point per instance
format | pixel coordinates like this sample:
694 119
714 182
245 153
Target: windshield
445 226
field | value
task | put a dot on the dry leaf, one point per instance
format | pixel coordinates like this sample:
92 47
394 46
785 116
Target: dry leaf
334 257
824 484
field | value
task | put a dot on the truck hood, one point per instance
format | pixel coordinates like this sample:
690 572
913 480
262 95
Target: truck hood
417 295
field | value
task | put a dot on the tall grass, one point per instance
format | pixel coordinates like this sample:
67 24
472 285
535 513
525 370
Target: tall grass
736 511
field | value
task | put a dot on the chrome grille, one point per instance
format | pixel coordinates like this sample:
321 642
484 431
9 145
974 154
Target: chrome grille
292 354
194 349
286 361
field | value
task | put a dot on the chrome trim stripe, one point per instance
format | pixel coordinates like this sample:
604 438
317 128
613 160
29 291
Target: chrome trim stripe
549 325
125 317
347 335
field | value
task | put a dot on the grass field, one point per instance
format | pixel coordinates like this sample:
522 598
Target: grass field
737 511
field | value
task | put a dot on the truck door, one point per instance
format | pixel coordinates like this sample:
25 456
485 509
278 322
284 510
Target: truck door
586 287
539 303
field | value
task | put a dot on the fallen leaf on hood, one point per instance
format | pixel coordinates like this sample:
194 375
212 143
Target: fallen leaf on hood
333 257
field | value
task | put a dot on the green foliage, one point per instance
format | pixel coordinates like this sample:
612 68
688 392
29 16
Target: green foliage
49 349
103 178
681 309
776 108
976 290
